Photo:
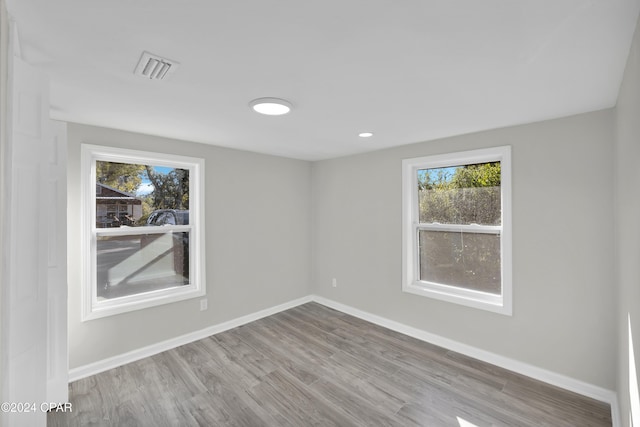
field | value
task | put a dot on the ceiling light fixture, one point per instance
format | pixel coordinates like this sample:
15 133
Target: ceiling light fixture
271 106
365 134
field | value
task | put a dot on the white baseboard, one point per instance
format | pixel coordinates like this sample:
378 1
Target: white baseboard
616 421
562 381
131 356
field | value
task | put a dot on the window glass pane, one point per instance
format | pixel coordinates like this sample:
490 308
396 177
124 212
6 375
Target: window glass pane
468 194
130 265
169 217
465 260
131 194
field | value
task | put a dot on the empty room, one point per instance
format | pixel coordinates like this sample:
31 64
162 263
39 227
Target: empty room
337 213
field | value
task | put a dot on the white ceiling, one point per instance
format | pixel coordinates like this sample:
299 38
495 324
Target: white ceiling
408 71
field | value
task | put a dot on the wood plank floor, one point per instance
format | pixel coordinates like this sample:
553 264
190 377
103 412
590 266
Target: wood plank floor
314 366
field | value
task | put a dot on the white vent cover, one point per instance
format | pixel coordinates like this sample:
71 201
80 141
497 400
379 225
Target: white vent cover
155 67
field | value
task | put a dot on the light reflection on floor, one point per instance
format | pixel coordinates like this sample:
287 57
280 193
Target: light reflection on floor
465 423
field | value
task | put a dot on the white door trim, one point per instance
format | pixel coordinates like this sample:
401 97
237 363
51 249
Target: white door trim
27 170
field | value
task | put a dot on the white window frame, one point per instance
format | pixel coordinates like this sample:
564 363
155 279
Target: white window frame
411 282
91 307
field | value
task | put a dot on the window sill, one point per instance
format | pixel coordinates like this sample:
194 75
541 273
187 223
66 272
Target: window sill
480 300
136 302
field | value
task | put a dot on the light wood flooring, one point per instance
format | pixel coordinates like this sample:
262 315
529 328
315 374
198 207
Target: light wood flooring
314 366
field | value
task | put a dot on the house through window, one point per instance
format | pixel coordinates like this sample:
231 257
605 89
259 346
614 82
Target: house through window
143 229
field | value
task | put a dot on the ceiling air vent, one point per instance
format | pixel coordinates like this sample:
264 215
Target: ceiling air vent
155 67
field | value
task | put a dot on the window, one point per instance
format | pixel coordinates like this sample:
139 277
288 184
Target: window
457 228
142 229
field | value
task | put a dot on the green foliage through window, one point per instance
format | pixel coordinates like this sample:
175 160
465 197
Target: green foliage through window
468 194
121 176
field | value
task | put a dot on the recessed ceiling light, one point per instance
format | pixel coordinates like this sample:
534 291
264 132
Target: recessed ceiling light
365 134
271 106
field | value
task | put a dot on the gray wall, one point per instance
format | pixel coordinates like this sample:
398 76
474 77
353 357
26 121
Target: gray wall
563 267
627 184
257 244
4 62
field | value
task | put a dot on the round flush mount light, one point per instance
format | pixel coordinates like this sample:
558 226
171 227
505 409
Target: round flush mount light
365 134
271 106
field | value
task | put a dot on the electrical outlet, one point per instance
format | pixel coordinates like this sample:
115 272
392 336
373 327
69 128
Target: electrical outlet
334 283
203 304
